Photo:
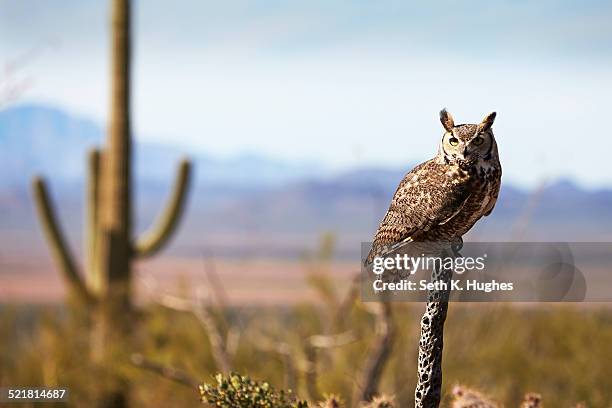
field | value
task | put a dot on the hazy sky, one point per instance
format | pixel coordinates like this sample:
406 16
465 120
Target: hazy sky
344 82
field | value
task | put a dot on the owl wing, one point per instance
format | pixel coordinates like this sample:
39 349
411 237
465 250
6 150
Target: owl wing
490 205
426 197
493 197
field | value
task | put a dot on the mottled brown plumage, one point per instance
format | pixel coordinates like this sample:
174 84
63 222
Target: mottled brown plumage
442 198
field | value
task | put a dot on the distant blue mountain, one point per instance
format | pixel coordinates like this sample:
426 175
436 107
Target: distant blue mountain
41 139
251 205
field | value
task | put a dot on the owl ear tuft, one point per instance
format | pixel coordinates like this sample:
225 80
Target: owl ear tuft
487 122
447 120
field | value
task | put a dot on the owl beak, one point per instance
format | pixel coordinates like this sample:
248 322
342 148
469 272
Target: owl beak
465 152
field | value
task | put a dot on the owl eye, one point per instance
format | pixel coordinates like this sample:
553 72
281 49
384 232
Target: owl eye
478 141
453 141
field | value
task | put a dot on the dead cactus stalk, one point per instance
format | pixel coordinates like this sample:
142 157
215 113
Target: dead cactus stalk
429 371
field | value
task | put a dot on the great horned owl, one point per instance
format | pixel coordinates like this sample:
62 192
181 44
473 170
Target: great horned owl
442 198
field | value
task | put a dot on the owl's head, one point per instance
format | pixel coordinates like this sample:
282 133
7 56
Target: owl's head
467 144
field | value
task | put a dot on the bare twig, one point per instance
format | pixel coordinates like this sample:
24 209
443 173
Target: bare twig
379 353
232 340
305 362
12 83
171 373
311 348
310 371
283 349
347 302
321 341
175 303
215 283
217 341
199 306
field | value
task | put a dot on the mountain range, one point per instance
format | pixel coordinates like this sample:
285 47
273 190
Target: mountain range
250 205
42 139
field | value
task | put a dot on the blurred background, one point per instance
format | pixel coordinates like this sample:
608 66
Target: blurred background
301 118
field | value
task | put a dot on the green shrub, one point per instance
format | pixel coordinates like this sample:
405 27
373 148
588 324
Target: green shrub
239 391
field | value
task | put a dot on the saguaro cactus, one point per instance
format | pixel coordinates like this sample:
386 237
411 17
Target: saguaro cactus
111 247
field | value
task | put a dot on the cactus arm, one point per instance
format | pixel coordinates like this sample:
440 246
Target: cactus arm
156 237
56 240
92 200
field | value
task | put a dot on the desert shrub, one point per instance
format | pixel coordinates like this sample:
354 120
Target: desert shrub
239 391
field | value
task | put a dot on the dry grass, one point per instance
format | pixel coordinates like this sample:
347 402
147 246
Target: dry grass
561 352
